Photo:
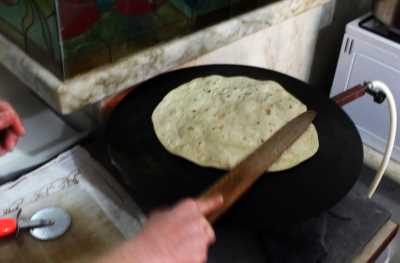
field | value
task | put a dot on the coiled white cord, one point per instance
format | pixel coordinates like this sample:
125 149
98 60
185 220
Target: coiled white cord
380 86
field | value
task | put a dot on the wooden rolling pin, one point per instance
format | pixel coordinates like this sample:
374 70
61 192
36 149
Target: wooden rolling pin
236 182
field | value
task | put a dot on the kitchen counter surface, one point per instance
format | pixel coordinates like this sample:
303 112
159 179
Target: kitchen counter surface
79 91
102 213
78 183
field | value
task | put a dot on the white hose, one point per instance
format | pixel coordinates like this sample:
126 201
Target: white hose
380 86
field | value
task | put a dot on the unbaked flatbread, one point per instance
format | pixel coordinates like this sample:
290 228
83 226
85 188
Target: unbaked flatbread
217 121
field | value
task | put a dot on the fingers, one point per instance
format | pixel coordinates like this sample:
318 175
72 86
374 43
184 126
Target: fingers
208 231
6 120
189 210
10 140
18 126
2 150
182 233
206 206
9 118
195 250
11 127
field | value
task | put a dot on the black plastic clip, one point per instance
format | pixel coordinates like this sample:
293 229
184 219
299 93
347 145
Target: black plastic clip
378 95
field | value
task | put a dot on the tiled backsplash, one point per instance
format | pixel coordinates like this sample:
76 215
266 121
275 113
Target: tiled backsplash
72 36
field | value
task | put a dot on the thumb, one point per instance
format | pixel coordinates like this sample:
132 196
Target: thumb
210 204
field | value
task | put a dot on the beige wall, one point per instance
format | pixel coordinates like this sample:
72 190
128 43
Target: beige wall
287 47
298 46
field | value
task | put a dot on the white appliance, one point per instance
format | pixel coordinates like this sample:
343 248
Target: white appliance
370 52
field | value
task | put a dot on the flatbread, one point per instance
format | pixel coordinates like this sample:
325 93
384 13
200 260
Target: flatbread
217 121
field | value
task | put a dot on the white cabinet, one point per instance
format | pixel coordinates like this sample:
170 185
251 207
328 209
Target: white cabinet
363 60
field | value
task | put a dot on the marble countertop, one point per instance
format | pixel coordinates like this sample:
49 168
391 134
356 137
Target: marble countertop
75 93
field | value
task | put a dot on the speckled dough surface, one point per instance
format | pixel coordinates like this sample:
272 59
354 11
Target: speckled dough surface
217 121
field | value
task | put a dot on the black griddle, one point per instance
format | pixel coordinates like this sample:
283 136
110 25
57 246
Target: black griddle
156 178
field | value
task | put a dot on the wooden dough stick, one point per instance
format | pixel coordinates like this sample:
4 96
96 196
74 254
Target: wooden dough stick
236 182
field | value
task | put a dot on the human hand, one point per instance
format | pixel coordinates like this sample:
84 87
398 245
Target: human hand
11 128
178 235
182 234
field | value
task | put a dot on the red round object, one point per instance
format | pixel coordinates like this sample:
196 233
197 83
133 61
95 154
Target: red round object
8 226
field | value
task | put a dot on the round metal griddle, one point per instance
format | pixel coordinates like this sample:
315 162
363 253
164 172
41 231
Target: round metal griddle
156 178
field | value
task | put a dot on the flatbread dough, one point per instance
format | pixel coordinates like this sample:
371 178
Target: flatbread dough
217 121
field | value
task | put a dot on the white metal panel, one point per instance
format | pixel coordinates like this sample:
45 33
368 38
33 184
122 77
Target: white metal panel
371 118
363 60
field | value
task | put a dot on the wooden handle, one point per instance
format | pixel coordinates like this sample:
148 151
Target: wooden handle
230 193
349 95
236 182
